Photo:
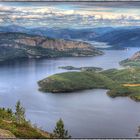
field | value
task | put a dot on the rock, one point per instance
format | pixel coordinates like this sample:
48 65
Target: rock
4 134
136 56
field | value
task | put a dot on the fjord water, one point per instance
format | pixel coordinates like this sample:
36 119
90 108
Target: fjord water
87 114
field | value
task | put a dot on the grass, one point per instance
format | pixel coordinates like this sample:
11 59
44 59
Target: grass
131 85
116 81
130 63
127 76
24 130
71 81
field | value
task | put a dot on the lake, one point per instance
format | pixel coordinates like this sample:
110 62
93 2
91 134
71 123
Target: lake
87 114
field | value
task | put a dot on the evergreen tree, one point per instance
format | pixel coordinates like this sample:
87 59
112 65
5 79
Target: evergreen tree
20 113
59 131
9 110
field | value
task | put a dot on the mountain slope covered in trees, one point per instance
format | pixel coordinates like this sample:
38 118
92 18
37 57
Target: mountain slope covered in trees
21 45
133 61
125 82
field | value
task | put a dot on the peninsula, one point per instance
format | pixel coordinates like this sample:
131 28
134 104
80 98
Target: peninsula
123 82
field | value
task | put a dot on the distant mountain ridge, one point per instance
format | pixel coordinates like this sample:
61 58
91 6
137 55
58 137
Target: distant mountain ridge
117 37
121 38
22 45
63 33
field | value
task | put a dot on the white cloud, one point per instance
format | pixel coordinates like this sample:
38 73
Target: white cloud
57 16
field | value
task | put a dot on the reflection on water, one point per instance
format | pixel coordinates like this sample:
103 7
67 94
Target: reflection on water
89 113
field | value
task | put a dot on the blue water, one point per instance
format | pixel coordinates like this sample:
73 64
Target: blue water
87 114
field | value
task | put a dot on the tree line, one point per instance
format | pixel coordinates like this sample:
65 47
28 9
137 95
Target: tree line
58 132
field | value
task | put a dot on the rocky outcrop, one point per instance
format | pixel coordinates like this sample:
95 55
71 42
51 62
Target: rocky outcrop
20 45
135 57
133 61
5 134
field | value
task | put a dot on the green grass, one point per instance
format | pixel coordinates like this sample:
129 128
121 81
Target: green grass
129 75
24 130
112 79
135 93
125 76
130 63
71 81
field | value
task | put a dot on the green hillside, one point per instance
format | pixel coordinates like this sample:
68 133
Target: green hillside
11 128
71 81
112 79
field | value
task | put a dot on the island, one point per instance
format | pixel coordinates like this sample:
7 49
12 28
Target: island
124 82
81 68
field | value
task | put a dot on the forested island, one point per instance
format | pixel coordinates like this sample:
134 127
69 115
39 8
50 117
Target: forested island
81 68
125 82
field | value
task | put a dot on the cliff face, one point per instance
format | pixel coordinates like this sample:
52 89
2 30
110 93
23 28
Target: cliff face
135 57
19 45
133 61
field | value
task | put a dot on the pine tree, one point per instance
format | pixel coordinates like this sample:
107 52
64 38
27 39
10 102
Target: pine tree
59 131
20 113
9 110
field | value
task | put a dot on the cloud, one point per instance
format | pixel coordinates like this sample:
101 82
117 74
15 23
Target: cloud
68 15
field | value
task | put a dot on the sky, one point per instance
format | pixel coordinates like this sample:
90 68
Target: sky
70 15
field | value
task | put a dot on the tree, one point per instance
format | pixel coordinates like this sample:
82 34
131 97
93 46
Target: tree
20 113
59 131
9 110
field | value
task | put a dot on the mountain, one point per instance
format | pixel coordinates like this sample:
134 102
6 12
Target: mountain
63 33
13 28
135 57
133 61
21 45
83 34
117 37
121 38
